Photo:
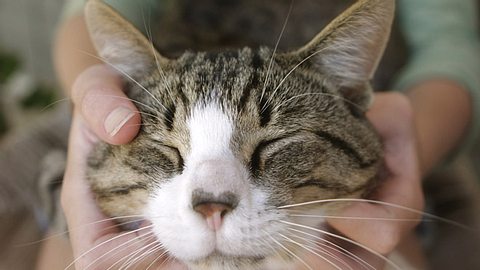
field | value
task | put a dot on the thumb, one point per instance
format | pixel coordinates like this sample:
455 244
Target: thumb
97 95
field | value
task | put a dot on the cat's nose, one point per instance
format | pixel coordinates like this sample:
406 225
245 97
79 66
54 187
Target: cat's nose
213 214
213 208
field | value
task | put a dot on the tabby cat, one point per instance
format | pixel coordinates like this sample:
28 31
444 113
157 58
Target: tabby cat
230 139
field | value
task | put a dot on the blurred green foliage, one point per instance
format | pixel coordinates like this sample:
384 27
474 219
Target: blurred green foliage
3 124
8 65
41 97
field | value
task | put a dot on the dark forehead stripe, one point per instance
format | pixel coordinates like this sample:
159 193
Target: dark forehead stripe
212 56
347 148
218 67
265 110
181 93
169 116
167 91
209 74
185 72
253 83
263 106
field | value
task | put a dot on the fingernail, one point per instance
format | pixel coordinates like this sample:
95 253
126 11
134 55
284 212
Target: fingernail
117 119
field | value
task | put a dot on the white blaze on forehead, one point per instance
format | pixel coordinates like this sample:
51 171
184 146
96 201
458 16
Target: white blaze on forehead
210 133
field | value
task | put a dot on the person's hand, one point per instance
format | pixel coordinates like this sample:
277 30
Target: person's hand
381 227
96 242
98 97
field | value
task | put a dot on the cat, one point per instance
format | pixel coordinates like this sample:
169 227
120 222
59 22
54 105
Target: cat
232 141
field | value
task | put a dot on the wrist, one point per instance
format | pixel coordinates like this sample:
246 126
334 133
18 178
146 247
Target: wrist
73 51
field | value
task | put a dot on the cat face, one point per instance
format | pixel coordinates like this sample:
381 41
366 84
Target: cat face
229 139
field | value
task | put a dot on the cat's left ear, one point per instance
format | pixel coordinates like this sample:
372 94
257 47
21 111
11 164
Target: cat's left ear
118 42
349 49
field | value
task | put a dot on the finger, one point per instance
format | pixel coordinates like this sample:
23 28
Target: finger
392 117
403 179
97 94
400 187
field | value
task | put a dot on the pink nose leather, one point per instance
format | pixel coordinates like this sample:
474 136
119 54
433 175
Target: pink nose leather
213 213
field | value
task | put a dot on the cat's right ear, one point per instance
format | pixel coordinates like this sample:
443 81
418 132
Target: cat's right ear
118 42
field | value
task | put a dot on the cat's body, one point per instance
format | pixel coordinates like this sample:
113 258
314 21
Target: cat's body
229 138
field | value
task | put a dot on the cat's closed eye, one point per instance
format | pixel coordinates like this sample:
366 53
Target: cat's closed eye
256 163
153 156
303 159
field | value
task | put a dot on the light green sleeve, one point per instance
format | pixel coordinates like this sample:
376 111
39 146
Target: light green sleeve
443 41
138 12
72 8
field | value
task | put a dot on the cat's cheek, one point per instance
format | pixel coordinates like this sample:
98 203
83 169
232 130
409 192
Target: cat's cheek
243 231
183 234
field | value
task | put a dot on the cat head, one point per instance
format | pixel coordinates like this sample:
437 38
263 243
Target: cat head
228 139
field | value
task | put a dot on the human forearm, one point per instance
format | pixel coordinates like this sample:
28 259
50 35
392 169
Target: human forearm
73 51
441 77
443 114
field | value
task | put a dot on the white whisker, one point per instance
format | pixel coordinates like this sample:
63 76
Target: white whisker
318 94
54 103
167 261
270 246
127 98
324 246
126 258
104 243
128 76
310 250
161 72
137 256
290 252
344 239
154 116
77 228
321 247
336 247
290 72
267 78
134 258
357 218
411 210
117 250
157 258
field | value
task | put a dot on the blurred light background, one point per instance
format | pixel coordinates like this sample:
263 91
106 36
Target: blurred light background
28 86
27 89
27 81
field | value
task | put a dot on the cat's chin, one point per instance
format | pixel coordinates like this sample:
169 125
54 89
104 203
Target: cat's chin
218 261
